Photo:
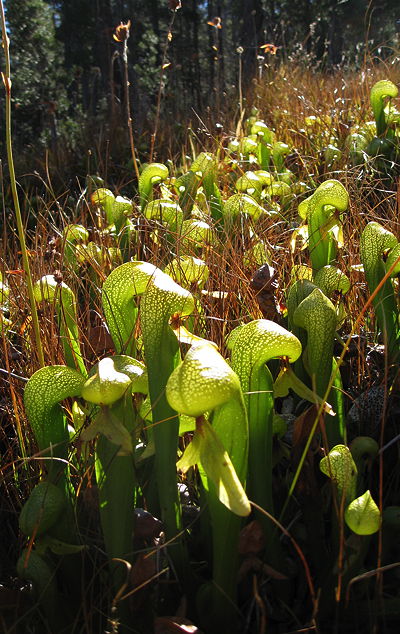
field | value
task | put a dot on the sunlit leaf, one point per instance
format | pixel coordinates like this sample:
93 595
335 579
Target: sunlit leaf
207 449
362 515
288 380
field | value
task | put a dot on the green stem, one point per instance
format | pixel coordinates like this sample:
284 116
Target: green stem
116 481
252 345
162 299
204 382
20 227
114 462
231 425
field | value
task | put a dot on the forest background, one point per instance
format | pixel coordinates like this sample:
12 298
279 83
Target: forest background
67 70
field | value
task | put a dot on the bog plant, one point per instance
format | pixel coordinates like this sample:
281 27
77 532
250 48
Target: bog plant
378 140
172 422
380 254
230 456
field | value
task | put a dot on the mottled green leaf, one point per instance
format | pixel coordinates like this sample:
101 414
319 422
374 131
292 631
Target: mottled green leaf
362 515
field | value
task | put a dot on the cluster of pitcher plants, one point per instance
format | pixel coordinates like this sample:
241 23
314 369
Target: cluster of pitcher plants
191 433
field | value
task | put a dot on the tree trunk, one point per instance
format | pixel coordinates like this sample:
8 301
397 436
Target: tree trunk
251 36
